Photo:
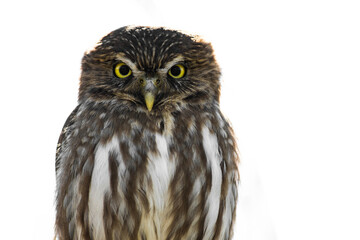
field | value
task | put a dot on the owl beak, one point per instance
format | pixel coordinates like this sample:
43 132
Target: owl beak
149 100
149 89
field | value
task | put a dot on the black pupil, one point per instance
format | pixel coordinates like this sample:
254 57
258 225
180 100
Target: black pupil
124 70
175 70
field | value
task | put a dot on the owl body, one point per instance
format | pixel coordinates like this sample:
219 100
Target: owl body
130 166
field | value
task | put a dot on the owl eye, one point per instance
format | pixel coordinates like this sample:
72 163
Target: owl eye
177 71
122 70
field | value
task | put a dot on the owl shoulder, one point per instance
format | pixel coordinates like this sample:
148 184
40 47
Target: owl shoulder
64 132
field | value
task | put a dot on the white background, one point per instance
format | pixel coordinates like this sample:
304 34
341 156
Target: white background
291 88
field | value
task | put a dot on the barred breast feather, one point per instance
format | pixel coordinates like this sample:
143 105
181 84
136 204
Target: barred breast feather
172 177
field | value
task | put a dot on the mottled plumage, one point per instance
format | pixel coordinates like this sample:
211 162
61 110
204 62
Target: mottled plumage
147 154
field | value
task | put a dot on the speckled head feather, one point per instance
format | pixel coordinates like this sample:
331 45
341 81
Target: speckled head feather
147 154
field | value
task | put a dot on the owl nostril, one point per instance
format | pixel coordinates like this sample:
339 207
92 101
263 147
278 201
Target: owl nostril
154 82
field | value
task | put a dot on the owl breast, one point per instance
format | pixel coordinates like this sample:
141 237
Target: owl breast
151 196
146 189
126 179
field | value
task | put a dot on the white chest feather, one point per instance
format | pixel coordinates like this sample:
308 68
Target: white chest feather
100 185
213 162
160 170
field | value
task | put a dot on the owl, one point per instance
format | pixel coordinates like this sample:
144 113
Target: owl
147 153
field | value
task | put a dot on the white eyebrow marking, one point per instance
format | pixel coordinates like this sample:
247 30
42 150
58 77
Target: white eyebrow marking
131 64
168 65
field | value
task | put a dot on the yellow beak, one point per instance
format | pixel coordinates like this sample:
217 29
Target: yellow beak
149 100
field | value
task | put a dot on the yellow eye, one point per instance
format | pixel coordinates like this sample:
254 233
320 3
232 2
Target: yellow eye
177 71
122 70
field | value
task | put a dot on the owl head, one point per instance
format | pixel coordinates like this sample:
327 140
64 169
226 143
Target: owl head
150 69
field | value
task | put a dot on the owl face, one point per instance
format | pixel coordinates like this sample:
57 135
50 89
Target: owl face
150 69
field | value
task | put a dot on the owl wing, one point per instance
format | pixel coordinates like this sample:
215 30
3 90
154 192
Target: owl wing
65 131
